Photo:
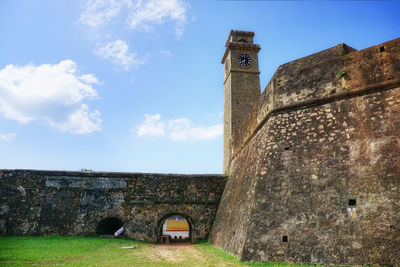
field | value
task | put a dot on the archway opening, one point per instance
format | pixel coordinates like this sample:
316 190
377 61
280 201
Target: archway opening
109 226
175 229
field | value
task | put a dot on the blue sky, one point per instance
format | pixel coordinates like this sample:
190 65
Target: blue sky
128 85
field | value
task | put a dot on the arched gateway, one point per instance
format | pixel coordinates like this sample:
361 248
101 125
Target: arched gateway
175 228
100 203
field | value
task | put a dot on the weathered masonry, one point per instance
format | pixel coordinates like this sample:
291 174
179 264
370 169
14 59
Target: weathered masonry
79 203
314 167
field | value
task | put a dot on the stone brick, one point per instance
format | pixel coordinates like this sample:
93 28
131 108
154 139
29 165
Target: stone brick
314 167
73 203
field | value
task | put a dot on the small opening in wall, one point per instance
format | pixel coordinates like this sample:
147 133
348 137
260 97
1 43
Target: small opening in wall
333 91
109 226
382 48
286 148
285 238
352 202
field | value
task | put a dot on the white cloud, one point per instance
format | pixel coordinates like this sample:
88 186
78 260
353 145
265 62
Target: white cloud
80 121
7 137
166 53
50 93
152 126
118 53
177 129
101 12
146 14
141 14
89 78
183 130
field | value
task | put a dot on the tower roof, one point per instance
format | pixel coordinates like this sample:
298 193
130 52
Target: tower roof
242 40
237 34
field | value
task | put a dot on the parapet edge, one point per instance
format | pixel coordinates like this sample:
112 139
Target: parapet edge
269 101
93 174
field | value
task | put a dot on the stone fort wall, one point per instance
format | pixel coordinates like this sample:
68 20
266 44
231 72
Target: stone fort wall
315 171
314 174
74 203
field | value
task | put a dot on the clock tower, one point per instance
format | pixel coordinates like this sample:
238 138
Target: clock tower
241 84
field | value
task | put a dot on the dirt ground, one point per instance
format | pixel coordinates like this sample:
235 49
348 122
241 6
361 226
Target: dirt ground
183 254
175 252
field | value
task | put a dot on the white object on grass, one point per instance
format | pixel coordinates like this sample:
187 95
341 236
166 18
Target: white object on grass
119 231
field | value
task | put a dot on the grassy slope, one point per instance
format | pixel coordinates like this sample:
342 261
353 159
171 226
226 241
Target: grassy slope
92 251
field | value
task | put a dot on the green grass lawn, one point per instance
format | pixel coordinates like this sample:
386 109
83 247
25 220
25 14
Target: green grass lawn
93 251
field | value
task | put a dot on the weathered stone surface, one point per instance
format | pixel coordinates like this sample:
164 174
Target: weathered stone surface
241 85
324 134
314 165
79 182
73 203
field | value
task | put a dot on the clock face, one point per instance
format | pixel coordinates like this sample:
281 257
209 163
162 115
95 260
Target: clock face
244 60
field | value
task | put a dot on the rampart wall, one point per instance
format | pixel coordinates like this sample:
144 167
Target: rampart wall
73 203
315 172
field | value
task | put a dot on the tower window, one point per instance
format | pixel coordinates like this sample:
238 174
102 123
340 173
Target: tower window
352 202
242 41
285 238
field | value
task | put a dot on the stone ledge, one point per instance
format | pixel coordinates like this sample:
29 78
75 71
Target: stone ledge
109 174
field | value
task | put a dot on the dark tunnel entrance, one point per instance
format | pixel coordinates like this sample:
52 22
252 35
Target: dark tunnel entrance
108 226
